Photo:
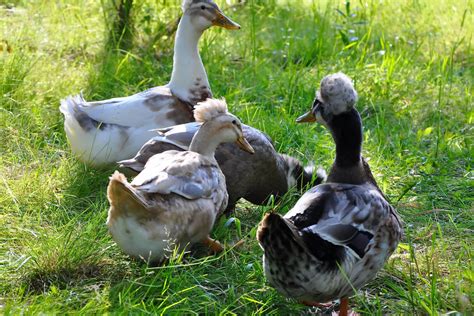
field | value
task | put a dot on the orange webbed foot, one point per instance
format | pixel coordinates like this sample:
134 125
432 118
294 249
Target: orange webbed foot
213 244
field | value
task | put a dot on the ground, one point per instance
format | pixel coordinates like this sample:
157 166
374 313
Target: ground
413 66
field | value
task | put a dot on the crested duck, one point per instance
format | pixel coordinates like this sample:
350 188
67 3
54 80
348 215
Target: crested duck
252 177
338 234
107 131
174 201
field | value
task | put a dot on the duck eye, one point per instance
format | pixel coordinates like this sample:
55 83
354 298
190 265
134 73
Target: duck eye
317 102
203 7
234 122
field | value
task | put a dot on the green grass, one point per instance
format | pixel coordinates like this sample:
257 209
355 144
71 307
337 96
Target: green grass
413 65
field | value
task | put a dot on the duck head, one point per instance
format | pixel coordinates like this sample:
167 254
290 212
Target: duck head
206 13
333 107
335 96
218 126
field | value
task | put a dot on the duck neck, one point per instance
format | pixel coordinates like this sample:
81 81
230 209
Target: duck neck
204 141
346 129
189 79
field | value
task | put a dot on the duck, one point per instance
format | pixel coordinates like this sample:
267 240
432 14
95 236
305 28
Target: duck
104 132
174 200
340 233
252 177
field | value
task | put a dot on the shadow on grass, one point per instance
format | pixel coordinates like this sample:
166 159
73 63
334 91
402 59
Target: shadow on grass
62 278
84 193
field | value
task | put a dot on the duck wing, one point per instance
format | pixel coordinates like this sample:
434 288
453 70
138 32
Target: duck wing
139 109
229 156
340 214
179 135
176 137
185 173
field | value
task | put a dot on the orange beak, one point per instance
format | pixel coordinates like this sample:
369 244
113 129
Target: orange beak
223 21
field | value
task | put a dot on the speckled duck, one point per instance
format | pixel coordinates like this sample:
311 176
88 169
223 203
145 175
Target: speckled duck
339 234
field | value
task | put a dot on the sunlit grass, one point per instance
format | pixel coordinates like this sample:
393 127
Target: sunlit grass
413 66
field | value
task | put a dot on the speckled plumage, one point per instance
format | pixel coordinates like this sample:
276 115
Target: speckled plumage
337 91
252 177
339 234
331 226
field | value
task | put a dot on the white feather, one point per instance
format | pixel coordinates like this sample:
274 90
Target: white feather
337 93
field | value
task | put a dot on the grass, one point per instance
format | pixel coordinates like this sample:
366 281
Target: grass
413 65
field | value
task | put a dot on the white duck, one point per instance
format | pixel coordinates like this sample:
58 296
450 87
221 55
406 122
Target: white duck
107 131
178 195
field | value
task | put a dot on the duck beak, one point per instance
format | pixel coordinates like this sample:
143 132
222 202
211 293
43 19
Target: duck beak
310 116
306 118
244 145
225 22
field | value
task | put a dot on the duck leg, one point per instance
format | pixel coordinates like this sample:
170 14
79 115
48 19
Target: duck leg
344 308
239 243
213 244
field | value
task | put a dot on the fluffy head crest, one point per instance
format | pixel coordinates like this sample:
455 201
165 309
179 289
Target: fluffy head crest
337 92
209 109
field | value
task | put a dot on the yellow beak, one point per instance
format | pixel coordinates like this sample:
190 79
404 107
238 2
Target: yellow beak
225 22
244 145
306 118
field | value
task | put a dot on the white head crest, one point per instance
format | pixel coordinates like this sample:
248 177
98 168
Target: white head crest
337 92
209 109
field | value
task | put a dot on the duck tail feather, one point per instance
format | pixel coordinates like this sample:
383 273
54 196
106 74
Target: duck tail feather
74 115
132 166
94 142
321 175
123 196
274 231
302 175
